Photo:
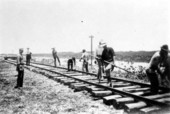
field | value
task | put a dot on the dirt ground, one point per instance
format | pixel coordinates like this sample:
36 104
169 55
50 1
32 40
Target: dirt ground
41 95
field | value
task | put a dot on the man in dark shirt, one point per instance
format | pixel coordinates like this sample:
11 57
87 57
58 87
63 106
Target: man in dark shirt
70 63
108 58
159 65
54 53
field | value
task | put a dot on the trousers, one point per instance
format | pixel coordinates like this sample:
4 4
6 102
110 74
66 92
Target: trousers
70 64
85 66
20 78
153 78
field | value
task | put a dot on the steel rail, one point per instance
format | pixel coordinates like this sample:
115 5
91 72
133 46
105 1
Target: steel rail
149 101
125 80
120 79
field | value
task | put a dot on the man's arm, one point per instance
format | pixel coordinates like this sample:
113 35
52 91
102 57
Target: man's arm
18 62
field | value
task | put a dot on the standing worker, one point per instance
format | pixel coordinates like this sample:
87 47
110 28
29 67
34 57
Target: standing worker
85 57
54 53
28 57
109 56
20 69
70 63
159 65
98 56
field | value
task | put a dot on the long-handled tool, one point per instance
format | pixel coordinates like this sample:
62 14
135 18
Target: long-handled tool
113 64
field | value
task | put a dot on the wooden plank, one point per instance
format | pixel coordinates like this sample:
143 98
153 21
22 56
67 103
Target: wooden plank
132 106
94 88
165 100
78 87
67 81
108 99
101 93
127 87
120 84
59 78
119 102
149 110
74 74
136 89
158 96
84 77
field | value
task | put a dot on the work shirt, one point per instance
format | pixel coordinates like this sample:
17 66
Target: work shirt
85 56
99 51
155 63
28 52
28 55
54 53
108 54
20 62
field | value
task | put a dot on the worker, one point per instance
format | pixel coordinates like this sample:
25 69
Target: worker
20 69
159 65
85 58
70 63
55 56
28 57
108 58
98 55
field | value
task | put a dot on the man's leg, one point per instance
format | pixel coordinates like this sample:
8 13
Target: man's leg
87 70
68 65
18 79
83 65
153 78
107 70
55 62
21 78
71 64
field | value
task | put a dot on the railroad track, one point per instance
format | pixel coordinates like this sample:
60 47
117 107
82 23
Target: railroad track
125 94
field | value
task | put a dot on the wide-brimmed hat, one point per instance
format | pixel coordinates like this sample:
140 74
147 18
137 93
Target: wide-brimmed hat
102 43
21 49
165 48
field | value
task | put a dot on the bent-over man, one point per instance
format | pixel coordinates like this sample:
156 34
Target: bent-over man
159 65
108 58
70 63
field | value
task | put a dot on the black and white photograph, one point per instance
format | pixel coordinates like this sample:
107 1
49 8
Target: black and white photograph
84 57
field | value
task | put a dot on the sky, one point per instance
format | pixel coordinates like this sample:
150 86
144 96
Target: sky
125 25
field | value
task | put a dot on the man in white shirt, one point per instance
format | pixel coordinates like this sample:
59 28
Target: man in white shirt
85 58
98 55
28 57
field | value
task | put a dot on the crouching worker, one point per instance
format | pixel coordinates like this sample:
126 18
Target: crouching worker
20 69
70 63
159 66
109 56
